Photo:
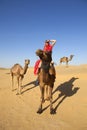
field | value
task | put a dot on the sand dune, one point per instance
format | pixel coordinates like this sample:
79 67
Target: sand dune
18 112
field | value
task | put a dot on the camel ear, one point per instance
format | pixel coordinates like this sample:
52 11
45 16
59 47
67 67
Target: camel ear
25 60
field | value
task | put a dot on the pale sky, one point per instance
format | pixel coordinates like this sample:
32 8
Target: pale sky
26 24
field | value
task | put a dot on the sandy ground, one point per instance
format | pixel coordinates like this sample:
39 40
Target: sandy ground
18 112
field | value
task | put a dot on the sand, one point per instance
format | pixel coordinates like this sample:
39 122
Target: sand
19 112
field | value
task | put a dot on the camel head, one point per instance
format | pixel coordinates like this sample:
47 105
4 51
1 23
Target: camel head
27 62
24 70
44 55
71 56
39 52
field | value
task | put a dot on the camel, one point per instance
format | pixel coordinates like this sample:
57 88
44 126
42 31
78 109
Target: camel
66 59
19 72
46 78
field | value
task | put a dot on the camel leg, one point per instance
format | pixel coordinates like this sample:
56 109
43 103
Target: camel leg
18 85
42 100
52 111
12 82
59 63
47 96
66 64
50 96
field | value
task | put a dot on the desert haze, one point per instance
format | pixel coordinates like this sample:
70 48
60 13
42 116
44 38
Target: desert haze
19 112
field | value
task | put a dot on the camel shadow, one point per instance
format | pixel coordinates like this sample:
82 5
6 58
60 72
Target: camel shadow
66 89
34 85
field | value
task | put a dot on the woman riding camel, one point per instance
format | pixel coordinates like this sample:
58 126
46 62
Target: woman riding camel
47 48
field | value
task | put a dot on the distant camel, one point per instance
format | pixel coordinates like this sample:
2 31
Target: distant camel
46 78
66 59
19 72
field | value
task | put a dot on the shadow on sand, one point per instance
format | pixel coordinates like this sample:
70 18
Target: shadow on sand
34 85
66 89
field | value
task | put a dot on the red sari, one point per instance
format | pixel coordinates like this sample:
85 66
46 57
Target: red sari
36 67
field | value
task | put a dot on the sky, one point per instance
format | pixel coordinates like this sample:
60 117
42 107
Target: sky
26 24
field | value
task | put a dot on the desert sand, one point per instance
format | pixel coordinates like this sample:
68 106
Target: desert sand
19 112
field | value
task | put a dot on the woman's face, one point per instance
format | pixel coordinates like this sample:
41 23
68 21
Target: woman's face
46 43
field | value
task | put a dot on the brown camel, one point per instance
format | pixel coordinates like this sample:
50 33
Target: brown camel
19 72
66 59
46 78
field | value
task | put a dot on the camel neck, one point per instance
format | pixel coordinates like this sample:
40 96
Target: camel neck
25 68
70 58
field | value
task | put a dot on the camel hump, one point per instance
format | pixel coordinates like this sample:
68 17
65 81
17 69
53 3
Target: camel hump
64 58
17 65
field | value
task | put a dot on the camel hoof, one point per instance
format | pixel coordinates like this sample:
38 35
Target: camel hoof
52 111
47 98
39 111
18 93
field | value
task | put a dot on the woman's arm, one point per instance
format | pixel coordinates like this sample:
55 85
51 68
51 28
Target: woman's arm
52 42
